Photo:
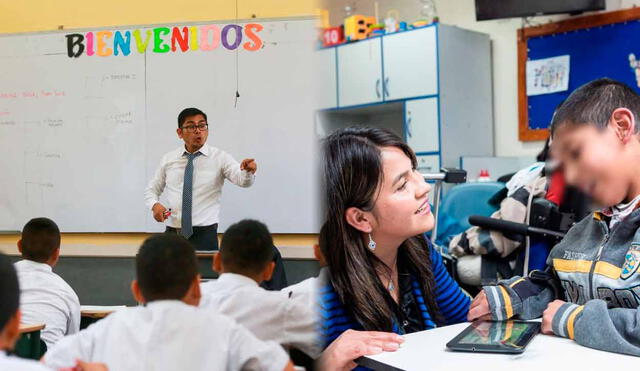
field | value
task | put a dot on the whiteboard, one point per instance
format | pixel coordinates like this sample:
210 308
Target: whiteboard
82 148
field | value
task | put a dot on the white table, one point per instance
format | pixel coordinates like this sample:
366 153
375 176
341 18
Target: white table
426 350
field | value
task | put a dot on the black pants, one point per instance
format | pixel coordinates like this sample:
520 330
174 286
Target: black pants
206 239
203 238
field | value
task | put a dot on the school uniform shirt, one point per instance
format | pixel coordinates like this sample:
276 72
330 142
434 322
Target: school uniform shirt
168 335
270 315
46 298
210 169
12 363
308 290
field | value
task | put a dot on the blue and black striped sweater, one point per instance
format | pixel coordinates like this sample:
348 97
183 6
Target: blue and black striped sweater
453 303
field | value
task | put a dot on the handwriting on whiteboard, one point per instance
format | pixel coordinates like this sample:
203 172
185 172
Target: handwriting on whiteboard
32 94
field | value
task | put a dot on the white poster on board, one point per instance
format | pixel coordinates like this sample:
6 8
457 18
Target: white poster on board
548 75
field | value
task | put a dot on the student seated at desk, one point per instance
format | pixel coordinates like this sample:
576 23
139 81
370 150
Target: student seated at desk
590 293
245 260
10 324
307 290
44 296
350 345
169 332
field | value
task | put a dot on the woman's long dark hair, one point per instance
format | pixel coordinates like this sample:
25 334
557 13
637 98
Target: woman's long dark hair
353 173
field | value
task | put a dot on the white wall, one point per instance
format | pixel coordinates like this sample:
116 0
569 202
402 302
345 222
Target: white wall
461 13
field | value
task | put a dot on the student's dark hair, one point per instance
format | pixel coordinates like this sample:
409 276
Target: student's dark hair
188 112
353 173
166 266
40 239
246 247
594 102
9 291
322 237
543 155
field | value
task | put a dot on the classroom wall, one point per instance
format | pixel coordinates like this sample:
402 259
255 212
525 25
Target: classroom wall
45 15
461 13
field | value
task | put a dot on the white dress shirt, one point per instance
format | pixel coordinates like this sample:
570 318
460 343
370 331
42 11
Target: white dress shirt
46 298
308 290
12 363
270 315
210 169
168 335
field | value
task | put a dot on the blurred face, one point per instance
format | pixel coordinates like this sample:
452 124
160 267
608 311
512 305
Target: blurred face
402 208
194 132
594 161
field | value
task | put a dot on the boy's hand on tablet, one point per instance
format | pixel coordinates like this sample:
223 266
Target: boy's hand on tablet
479 309
548 314
342 352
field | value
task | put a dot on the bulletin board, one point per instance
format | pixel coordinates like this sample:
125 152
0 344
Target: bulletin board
601 45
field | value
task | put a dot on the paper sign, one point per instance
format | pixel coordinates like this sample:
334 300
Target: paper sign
549 75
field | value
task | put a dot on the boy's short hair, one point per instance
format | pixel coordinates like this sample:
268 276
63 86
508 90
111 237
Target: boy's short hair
246 247
166 266
9 291
40 239
594 102
188 112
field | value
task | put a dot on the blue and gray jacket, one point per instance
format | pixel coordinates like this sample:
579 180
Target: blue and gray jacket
596 272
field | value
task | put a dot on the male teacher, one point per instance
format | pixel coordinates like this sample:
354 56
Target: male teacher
192 177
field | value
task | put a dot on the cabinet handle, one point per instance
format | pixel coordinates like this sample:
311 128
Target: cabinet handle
385 87
378 88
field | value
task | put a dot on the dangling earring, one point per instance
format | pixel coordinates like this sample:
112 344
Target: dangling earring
372 243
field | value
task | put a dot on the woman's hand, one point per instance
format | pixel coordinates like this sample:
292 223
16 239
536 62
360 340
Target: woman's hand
87 366
350 345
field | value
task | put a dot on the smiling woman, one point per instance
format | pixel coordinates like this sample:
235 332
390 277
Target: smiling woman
384 274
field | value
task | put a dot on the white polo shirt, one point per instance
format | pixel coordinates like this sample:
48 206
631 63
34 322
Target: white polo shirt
270 315
12 363
168 335
46 298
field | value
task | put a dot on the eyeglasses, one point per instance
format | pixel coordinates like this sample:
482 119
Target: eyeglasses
192 128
